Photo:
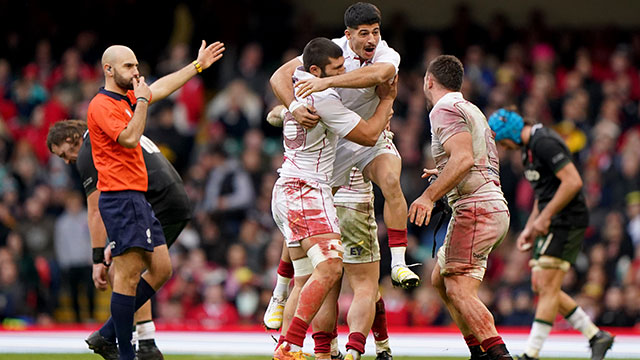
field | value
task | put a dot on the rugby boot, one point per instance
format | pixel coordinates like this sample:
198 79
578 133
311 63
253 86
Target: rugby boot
384 356
403 277
599 344
273 315
103 347
283 353
147 350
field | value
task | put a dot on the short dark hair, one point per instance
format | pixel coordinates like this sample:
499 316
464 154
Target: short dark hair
362 13
318 51
63 130
448 71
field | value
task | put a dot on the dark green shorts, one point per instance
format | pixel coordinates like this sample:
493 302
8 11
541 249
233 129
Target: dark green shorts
561 242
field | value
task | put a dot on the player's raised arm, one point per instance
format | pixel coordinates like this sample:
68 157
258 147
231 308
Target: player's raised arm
360 78
283 89
207 55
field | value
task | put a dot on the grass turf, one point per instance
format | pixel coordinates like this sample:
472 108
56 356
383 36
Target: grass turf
206 357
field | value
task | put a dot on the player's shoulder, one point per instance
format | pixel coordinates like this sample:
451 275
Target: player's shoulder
449 103
100 102
544 138
300 74
341 41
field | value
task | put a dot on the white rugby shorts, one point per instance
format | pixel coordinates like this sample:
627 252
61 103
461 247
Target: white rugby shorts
303 208
350 154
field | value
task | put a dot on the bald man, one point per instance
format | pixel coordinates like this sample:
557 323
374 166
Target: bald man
116 119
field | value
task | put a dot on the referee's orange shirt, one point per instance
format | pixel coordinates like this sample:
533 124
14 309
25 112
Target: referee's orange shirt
119 168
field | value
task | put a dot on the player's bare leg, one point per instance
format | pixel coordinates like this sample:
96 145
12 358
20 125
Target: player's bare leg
475 349
363 279
324 324
462 292
385 171
325 252
546 281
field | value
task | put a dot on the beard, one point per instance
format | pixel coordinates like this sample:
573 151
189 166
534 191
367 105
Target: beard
122 82
429 103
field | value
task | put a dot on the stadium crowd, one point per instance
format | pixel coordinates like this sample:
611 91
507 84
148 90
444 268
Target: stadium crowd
585 83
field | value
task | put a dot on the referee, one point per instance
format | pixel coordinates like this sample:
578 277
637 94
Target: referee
70 141
116 119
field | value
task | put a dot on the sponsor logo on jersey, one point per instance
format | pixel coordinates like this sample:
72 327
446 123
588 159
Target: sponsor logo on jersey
532 175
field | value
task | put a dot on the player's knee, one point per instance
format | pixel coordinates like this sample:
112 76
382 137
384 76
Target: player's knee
332 269
326 257
546 289
165 273
436 280
128 280
391 183
457 294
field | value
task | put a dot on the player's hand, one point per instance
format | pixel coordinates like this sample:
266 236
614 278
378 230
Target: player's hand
388 90
140 88
100 276
428 172
540 226
307 87
525 240
420 211
306 116
207 55
275 116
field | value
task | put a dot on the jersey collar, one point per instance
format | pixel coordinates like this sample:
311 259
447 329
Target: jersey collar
116 96
350 54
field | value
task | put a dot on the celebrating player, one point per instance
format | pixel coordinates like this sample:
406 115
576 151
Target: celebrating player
369 61
467 166
302 203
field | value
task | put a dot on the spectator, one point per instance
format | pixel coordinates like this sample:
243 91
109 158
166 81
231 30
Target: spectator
73 252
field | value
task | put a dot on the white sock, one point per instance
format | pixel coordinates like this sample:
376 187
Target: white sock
335 349
281 290
146 330
539 333
383 345
397 255
581 322
293 347
354 353
134 336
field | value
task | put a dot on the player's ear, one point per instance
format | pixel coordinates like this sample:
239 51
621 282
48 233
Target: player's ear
315 70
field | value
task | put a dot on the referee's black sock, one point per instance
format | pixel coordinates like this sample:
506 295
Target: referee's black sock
122 309
144 292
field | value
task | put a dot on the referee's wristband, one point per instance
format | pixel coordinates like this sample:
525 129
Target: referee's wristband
197 65
98 255
294 105
142 98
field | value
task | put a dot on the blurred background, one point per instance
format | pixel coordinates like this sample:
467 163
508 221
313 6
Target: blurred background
572 65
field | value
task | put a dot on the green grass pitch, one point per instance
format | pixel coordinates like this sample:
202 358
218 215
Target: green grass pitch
205 357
